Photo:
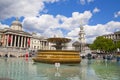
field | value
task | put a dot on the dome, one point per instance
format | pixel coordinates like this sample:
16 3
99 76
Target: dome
16 22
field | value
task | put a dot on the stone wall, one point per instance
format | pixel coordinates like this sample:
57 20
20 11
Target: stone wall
14 52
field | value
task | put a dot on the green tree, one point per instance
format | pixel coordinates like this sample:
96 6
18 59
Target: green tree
118 44
102 44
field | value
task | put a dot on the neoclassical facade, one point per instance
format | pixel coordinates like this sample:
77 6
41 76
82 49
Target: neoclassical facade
115 36
15 41
39 43
15 37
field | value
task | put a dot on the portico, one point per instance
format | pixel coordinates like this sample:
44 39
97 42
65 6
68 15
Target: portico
17 41
15 37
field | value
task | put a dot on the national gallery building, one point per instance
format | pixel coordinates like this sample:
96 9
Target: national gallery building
15 38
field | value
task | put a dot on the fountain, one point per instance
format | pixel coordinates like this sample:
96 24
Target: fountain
58 55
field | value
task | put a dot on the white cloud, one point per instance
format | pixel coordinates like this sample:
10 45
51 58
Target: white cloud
40 24
96 10
26 8
49 25
93 31
113 26
100 29
2 26
75 20
83 2
89 1
117 14
53 32
52 1
74 32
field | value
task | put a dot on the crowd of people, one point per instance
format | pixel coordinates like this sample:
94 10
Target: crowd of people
101 56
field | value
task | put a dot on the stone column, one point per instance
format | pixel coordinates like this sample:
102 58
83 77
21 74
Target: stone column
48 45
31 43
28 39
11 40
7 40
3 40
43 45
114 36
21 41
117 36
15 41
40 44
27 42
24 42
18 40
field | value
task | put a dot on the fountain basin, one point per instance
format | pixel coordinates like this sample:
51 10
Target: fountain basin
57 56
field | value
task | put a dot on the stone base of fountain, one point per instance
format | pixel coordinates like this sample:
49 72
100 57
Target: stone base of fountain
57 56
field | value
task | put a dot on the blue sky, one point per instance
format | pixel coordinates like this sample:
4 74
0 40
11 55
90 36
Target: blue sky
63 17
107 9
